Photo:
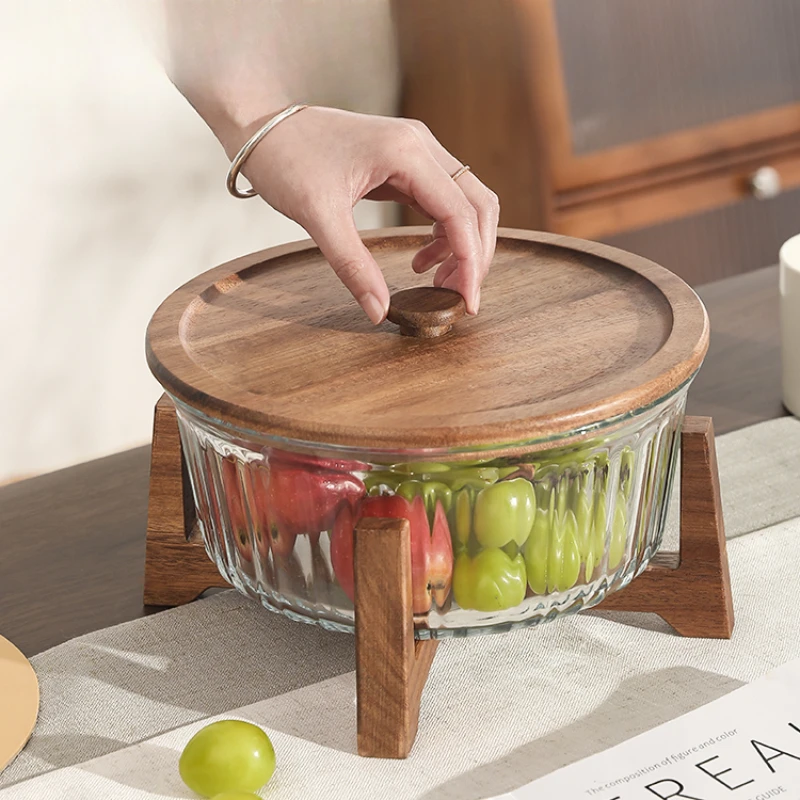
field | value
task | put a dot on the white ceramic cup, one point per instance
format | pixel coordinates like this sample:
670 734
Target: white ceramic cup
790 323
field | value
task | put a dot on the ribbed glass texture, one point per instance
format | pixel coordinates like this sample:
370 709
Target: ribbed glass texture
506 542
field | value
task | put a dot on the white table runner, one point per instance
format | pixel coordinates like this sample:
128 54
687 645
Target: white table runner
497 712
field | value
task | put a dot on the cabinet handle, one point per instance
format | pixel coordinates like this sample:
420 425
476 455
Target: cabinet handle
765 183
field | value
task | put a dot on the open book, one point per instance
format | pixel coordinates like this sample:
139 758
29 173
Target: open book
744 746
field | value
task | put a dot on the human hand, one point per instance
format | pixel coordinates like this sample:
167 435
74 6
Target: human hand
317 164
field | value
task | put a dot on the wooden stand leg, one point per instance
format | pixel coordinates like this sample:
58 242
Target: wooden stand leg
391 667
177 568
692 589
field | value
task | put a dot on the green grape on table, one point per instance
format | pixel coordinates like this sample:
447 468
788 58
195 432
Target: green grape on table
504 512
227 756
236 796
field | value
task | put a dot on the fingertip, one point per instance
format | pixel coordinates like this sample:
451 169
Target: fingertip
431 254
452 281
420 264
474 305
376 309
470 291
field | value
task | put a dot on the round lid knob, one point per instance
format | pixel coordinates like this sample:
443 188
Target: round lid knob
426 311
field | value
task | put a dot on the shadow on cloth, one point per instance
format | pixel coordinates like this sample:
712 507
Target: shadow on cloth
163 679
154 771
689 689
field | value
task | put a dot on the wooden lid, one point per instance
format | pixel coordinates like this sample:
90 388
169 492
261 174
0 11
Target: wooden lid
570 334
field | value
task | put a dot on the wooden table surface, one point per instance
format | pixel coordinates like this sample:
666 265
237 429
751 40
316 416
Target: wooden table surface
73 541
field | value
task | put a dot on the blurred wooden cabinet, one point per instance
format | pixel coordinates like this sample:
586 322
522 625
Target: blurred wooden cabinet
663 126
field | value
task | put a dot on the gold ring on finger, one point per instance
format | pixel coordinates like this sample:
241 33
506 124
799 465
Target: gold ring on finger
459 172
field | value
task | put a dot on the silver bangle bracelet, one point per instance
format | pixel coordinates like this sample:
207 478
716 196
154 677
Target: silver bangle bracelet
250 145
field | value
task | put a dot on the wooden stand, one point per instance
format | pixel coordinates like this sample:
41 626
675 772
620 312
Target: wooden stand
391 666
177 569
691 590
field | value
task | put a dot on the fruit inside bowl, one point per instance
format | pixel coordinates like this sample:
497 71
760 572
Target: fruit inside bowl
499 541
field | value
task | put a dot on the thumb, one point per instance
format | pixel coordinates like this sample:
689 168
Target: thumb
339 241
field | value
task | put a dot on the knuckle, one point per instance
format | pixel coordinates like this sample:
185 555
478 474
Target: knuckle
493 201
348 269
405 138
419 127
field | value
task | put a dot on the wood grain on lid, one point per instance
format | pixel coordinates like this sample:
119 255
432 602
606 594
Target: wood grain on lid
570 333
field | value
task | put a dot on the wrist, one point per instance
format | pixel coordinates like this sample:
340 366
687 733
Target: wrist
234 117
234 128
238 162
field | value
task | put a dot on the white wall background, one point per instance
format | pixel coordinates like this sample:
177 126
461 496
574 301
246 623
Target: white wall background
112 195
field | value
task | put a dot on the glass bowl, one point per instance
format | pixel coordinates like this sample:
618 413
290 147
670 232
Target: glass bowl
498 543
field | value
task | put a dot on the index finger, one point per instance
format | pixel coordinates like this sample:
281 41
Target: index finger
424 179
